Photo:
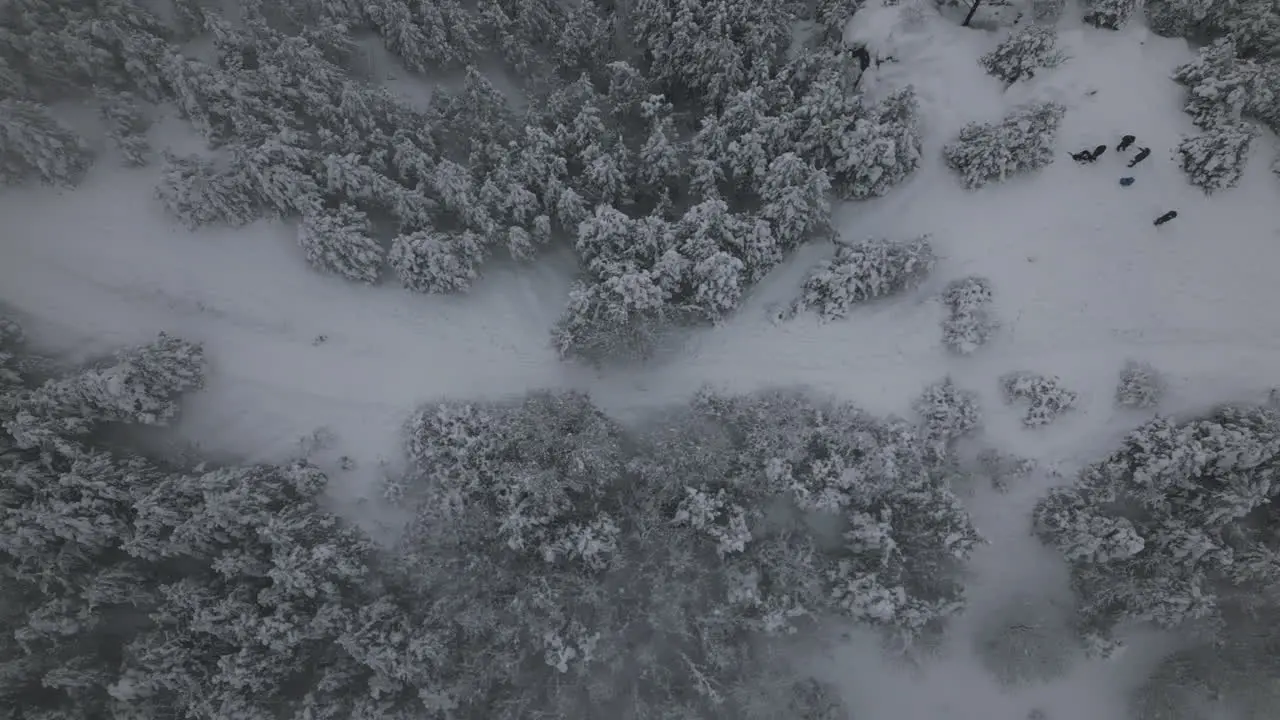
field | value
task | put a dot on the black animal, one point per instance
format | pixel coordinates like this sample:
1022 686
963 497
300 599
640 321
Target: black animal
1166 217
1125 142
1097 152
1084 156
1142 155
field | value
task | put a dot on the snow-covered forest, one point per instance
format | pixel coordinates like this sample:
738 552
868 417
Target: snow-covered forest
645 359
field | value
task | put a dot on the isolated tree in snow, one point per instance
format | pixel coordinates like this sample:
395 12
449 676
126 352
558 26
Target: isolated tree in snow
197 192
948 413
33 144
1047 11
1215 159
1045 396
1140 386
969 323
1109 14
1020 143
1024 52
337 240
436 262
865 271
1176 526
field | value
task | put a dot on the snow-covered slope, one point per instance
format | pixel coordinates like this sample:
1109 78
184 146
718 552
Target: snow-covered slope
1083 281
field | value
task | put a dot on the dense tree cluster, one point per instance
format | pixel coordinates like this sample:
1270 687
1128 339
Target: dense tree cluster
1252 24
862 272
1020 55
1175 528
586 567
1020 143
1109 14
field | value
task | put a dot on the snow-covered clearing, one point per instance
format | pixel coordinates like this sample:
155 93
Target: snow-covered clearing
1083 281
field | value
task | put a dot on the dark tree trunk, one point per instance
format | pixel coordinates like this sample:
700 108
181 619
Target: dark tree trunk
973 9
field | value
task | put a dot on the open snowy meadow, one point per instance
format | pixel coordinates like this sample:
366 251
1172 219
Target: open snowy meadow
1082 282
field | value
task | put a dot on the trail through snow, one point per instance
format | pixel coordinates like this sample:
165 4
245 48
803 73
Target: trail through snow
1083 281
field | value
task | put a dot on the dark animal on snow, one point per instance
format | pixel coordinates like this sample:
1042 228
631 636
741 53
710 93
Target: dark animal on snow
1142 155
1125 142
1084 156
1166 217
1097 152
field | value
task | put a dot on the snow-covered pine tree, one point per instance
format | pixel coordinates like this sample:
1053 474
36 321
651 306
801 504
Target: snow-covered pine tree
1028 640
948 413
127 125
337 241
880 150
431 261
862 272
796 207
197 192
969 323
1047 12
1109 14
1215 159
1025 51
1140 386
1223 88
1047 398
33 143
1022 142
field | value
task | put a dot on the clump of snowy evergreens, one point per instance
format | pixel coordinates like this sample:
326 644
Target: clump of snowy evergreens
1224 88
1215 159
1025 51
197 192
1003 468
1030 640
337 240
1174 528
1254 25
969 323
1140 387
1236 676
947 412
1022 142
1045 396
554 508
865 271
127 125
35 145
1109 14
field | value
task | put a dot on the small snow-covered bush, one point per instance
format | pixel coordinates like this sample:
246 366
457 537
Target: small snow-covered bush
436 262
1047 12
337 241
1108 14
1002 468
1140 386
1028 641
969 323
34 144
863 272
1046 396
1029 49
196 192
1022 142
947 412
1214 160
1176 526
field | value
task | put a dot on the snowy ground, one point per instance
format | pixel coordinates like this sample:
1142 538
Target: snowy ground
1083 281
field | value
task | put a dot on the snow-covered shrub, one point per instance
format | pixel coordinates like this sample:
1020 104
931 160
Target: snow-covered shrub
127 125
1002 468
33 144
865 271
969 323
1108 14
1140 386
1047 12
1045 395
435 262
947 412
1028 49
1028 641
1176 525
337 241
1022 142
196 192
1215 159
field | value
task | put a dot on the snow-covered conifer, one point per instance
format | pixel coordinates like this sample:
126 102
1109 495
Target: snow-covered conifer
879 150
1223 88
1047 12
1045 395
969 323
1002 468
1215 159
197 192
1023 53
1140 386
947 412
431 261
617 317
863 272
795 195
127 125
337 241
1022 142
33 143
1028 641
1109 14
